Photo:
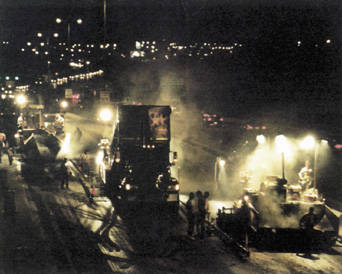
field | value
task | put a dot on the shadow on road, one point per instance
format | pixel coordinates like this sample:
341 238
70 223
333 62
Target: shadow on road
151 229
293 241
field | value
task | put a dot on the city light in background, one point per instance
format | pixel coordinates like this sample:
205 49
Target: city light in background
21 100
78 54
64 104
245 87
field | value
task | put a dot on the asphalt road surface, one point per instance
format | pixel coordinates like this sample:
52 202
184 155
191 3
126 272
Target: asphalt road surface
45 229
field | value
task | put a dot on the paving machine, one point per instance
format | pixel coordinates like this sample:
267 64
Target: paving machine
270 216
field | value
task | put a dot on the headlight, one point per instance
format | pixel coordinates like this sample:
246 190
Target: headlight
127 186
99 157
117 160
177 187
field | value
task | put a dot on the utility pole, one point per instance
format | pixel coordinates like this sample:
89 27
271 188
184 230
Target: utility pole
104 21
104 39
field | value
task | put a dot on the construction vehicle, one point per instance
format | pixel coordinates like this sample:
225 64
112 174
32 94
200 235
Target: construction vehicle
37 151
53 123
270 216
136 164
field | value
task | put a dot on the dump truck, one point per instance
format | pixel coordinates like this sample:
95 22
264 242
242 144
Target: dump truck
136 165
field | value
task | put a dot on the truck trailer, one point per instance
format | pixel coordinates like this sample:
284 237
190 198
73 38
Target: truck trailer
136 165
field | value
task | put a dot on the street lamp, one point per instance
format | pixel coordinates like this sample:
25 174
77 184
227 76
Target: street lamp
324 142
222 163
261 139
308 143
78 21
21 100
104 21
106 114
219 164
282 147
64 104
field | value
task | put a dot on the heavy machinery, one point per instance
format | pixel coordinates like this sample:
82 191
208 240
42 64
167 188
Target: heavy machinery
37 152
270 216
136 166
53 123
37 145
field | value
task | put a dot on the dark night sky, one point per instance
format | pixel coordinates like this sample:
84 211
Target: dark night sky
271 67
185 19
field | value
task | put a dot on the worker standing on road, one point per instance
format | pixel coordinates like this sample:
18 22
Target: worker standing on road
8 152
85 163
207 213
2 144
206 205
307 223
64 174
201 214
59 124
245 220
78 134
190 214
21 123
4 148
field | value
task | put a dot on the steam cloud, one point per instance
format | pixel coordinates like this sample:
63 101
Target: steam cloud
197 146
